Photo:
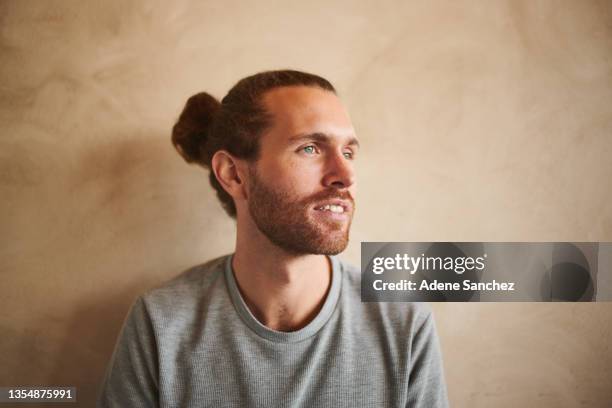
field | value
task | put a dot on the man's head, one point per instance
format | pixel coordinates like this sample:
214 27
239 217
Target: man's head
286 164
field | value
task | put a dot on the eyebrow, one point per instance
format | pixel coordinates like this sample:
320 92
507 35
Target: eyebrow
321 137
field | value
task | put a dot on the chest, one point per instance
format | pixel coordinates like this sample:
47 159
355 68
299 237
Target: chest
335 368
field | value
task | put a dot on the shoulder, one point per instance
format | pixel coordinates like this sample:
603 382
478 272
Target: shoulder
186 290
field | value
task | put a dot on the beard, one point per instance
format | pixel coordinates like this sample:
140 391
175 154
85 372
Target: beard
288 223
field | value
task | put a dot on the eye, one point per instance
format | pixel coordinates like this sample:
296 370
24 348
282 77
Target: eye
349 155
310 149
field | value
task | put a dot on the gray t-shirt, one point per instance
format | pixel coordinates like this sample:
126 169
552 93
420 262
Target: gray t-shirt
193 342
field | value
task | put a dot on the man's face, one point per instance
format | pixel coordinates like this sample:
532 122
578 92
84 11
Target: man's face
301 190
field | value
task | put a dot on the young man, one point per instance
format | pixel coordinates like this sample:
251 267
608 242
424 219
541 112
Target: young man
279 322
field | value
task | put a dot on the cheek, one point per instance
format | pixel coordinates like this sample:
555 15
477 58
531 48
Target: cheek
304 180
297 173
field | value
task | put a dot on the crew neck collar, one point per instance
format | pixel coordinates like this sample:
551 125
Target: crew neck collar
285 337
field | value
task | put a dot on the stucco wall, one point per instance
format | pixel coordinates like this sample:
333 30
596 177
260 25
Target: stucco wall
484 121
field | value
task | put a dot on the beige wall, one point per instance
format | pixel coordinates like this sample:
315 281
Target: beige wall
486 121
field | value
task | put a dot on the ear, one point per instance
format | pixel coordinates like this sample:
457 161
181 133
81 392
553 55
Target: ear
229 173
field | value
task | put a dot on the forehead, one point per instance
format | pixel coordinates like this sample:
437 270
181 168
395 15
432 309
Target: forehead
304 109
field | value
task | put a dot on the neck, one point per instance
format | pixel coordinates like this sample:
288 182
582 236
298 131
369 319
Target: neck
284 291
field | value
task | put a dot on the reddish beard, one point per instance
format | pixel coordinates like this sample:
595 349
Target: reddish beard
288 223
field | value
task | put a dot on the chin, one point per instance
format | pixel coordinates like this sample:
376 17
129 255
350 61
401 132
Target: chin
332 247
334 252
325 245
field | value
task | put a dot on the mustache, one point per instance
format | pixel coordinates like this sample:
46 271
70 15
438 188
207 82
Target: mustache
331 195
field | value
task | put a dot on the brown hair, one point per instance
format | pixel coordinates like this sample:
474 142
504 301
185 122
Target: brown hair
234 124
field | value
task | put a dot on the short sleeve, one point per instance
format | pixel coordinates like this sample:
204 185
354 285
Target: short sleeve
426 383
131 379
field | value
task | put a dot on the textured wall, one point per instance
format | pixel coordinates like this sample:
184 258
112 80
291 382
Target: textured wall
485 121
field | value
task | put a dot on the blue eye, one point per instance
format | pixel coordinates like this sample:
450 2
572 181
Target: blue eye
309 149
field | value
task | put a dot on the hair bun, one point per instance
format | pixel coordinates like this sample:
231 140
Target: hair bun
191 131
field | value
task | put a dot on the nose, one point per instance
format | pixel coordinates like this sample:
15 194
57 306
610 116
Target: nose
339 172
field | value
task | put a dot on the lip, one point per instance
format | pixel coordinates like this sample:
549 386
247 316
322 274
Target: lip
346 205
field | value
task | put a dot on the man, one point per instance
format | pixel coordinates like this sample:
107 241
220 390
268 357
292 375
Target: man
280 321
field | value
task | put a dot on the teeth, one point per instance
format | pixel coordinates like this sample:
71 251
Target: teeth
333 208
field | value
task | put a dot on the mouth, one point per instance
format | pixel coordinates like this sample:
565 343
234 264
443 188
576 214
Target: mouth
338 207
